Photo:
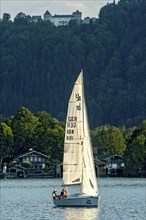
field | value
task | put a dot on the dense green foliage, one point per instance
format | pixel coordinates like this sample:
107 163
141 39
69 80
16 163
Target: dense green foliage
109 140
40 62
26 130
6 140
46 134
135 153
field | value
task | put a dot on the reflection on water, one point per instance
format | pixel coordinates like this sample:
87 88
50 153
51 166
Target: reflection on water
81 213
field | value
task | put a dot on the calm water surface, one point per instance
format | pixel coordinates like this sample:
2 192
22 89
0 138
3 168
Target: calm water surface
31 199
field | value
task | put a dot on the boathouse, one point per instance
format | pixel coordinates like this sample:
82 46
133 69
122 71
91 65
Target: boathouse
115 164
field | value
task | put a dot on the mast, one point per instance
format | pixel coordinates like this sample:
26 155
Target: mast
83 100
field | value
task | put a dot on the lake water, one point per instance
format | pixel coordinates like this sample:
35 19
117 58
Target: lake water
31 199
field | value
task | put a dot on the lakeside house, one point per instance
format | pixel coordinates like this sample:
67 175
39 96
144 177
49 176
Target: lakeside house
29 164
115 164
37 159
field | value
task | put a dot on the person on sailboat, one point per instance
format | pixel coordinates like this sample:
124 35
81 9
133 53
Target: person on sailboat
65 193
54 194
62 193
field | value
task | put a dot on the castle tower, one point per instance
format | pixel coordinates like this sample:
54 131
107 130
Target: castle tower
77 16
47 16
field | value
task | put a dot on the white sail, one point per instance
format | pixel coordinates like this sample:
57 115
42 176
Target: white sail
89 183
72 162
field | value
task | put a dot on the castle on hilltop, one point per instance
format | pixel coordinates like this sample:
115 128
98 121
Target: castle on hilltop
63 19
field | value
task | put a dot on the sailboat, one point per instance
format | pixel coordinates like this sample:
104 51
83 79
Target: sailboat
78 161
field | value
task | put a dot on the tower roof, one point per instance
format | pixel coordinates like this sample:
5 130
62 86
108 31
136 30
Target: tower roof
47 13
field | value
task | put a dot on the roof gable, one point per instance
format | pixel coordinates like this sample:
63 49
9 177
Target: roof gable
31 152
17 166
105 157
47 13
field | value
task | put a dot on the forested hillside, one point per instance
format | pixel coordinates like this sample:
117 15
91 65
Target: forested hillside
40 62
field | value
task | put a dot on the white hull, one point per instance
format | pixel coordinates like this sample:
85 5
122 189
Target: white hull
77 201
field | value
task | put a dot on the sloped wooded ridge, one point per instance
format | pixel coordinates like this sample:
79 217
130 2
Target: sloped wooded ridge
40 62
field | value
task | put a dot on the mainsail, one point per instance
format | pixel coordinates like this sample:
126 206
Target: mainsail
73 148
78 163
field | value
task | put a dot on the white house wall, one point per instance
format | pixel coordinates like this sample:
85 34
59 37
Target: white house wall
61 21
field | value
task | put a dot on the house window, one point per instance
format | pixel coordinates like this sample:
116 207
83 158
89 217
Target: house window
39 159
43 166
35 158
31 159
122 164
114 165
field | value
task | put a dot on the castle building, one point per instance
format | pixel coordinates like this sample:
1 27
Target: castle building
62 19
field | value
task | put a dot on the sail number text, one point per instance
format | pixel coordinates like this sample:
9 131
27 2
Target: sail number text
71 125
72 118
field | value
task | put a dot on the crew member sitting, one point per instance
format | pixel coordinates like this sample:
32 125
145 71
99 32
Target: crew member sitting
62 193
54 194
65 193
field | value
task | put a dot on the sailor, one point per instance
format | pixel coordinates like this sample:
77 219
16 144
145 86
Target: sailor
62 193
65 193
54 194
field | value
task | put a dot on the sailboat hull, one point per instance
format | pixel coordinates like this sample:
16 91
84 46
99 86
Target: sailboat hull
77 201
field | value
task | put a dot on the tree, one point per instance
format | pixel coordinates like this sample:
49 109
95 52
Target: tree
22 19
46 120
6 17
6 141
135 154
49 136
23 125
109 140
